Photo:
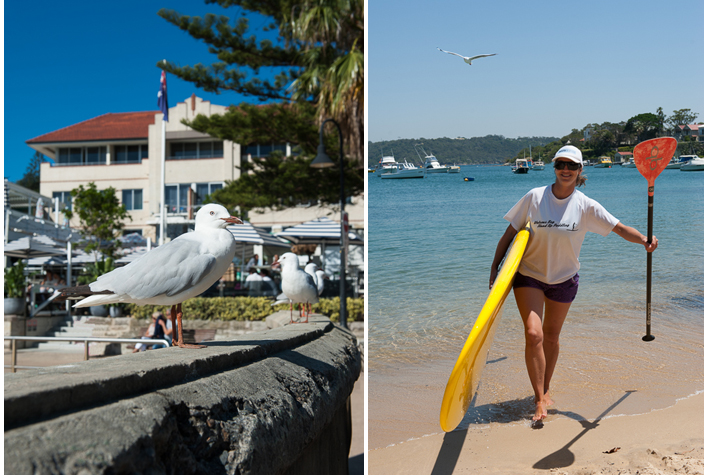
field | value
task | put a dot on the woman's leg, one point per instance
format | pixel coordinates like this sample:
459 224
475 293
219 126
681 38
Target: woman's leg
530 304
555 314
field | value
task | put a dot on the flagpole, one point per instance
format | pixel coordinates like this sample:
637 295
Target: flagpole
163 104
162 187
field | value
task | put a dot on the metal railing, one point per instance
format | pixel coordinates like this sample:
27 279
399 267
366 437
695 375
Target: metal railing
13 345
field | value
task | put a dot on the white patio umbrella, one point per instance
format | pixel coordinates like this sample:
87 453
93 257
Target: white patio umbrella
246 234
323 231
319 231
29 247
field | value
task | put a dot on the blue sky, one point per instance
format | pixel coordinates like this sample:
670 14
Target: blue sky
66 62
560 65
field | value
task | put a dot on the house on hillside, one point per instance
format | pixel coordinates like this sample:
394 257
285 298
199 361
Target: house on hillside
623 157
696 132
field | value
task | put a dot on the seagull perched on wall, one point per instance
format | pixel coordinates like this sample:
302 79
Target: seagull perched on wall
312 270
297 284
169 274
321 281
467 59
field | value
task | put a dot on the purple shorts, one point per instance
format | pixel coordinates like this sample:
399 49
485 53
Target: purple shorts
564 292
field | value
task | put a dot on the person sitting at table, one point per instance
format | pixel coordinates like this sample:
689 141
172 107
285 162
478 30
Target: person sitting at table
268 285
254 282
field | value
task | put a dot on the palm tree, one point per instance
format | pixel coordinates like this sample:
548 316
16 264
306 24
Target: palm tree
331 36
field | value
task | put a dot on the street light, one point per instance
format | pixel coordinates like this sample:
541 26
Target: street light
322 160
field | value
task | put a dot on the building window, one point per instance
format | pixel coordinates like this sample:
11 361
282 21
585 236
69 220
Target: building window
130 153
263 150
64 197
176 196
192 150
133 199
81 156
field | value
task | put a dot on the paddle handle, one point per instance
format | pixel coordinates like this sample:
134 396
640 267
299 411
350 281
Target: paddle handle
649 266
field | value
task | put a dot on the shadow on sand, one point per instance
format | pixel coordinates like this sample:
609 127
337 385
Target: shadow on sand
564 457
511 411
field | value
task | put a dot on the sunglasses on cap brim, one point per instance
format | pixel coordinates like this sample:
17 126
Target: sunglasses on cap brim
569 165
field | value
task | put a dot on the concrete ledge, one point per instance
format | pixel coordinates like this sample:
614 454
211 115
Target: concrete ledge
268 402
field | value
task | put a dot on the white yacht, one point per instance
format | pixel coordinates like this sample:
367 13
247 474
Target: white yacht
385 163
454 169
430 162
676 163
629 164
538 165
696 164
404 170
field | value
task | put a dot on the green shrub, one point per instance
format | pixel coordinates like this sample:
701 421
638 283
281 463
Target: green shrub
15 281
246 308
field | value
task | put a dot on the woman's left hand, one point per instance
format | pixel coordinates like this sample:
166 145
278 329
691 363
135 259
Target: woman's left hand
650 247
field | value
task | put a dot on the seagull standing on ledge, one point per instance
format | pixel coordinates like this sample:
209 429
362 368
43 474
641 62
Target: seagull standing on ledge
297 284
467 59
170 274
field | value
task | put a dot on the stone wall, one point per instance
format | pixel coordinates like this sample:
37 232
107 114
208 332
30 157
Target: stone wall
269 402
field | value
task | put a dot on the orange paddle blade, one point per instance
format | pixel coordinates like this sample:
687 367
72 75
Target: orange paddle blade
652 156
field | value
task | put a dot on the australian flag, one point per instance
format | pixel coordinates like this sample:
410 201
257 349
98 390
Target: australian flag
163 96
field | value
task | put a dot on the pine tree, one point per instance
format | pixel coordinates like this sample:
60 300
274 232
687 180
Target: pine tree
318 63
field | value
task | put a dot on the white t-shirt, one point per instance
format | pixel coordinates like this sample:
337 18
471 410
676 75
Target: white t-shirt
558 229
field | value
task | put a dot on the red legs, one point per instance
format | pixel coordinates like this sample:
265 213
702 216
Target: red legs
304 310
180 341
173 312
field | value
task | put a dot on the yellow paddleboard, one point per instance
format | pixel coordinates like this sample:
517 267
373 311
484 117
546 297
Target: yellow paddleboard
467 370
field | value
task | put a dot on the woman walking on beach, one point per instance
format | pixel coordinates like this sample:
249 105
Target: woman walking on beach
547 278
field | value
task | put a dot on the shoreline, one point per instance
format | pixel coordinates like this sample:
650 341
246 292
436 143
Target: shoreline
662 441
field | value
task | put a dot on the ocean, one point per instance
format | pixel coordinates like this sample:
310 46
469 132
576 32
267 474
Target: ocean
430 246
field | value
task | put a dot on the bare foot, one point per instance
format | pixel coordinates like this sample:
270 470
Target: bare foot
540 411
547 399
187 345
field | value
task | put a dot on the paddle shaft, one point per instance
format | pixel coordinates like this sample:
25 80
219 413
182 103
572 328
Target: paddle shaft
649 265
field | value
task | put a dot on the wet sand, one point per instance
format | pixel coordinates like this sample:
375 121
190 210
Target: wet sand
660 442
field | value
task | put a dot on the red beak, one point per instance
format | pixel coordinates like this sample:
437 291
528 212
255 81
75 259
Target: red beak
233 220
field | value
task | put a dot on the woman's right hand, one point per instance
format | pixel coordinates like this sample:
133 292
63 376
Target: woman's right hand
494 274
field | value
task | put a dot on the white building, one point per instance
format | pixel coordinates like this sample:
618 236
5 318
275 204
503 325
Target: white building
123 151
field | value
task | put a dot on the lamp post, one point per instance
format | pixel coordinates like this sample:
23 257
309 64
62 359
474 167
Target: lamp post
322 160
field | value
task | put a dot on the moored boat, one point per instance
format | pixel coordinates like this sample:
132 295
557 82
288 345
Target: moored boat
385 163
454 169
604 162
629 164
678 162
538 165
522 165
404 170
430 162
696 164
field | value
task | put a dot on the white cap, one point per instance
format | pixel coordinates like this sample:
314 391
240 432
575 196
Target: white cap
571 152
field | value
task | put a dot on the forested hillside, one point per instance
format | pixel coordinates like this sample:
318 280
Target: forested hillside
476 150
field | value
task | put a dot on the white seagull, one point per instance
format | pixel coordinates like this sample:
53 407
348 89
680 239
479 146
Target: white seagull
297 284
321 282
467 59
169 274
312 270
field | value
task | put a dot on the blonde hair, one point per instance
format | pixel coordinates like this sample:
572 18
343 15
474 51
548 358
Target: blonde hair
581 179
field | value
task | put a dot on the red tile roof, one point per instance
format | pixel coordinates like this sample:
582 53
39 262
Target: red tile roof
123 125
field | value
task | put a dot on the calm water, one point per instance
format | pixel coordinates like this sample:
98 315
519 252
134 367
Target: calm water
431 243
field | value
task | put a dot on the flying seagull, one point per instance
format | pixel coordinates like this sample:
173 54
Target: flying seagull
169 274
468 59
